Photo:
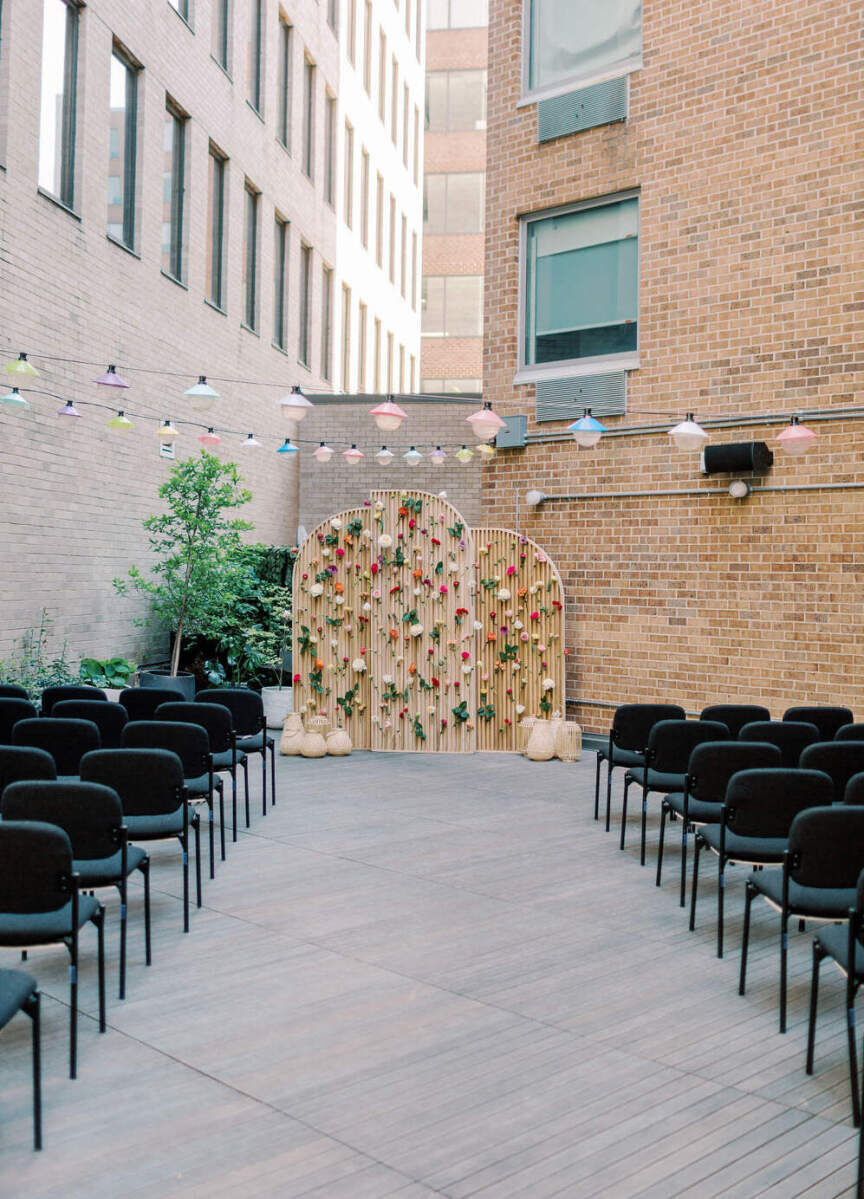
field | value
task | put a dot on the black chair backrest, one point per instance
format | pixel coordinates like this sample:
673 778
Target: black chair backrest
827 720
735 716
671 742
764 802
35 867
141 702
855 790
790 736
826 847
188 741
713 764
215 718
11 711
246 707
632 723
65 740
850 732
840 759
13 691
24 762
53 695
110 719
148 781
89 813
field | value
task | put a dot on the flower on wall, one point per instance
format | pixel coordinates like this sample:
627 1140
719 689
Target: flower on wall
316 589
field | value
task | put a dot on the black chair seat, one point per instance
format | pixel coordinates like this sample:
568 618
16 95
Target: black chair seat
101 872
199 787
35 928
225 759
834 939
155 827
16 987
824 902
625 757
253 744
660 781
750 849
699 811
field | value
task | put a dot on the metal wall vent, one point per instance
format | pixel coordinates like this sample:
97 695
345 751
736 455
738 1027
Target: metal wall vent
566 399
584 109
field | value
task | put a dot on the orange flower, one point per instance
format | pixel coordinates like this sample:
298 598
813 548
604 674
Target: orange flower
338 588
319 664
394 633
418 574
491 636
412 669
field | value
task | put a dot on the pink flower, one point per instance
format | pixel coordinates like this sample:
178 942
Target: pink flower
296 678
535 615
443 589
340 553
511 570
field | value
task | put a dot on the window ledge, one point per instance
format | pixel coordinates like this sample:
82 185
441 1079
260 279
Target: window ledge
212 304
173 278
222 68
281 349
121 245
577 85
180 17
249 329
284 146
60 203
577 369
304 365
257 111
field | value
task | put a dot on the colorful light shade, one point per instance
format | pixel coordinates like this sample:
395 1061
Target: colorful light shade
68 409
111 378
353 456
437 457
485 422
587 431
294 406
20 366
388 416
796 438
287 447
323 452
487 450
413 456
464 455
211 437
249 442
384 456
688 435
201 394
14 399
166 431
120 423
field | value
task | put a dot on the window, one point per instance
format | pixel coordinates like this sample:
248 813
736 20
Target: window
565 48
346 338
413 383
326 322
122 155
389 362
173 190
416 170
457 14
58 99
256 37
352 32
452 305
308 117
285 83
367 47
402 368
362 332
281 228
403 258
221 32
379 221
580 289
250 255
418 29
217 167
406 123
455 100
182 7
304 310
348 168
333 14
364 199
330 150
392 257
382 75
449 386
377 352
453 203
414 271
394 102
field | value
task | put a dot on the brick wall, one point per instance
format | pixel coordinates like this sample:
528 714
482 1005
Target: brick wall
741 137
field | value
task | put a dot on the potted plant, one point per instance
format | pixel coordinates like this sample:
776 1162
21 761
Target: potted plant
196 547
110 674
278 699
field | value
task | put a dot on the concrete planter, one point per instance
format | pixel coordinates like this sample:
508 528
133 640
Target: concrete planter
278 702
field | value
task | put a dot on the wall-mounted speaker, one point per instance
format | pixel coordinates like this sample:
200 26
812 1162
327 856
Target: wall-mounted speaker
739 458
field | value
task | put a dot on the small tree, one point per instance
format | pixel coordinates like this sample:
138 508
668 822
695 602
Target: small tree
196 544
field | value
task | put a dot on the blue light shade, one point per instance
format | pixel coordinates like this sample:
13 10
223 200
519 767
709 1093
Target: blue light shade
14 399
587 431
287 447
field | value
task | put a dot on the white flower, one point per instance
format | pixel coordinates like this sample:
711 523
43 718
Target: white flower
385 541
316 589
467 667
379 504
453 567
520 708
335 523
503 593
340 599
478 625
367 607
367 534
416 629
517 624
418 590
325 553
548 684
333 643
359 664
387 679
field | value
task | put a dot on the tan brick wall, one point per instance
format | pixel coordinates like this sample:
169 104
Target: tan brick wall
453 254
453 357
741 138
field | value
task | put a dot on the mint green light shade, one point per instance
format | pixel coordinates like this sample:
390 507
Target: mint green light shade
14 399
202 389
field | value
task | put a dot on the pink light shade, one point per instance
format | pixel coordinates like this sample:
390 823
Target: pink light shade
210 438
111 378
388 415
796 438
68 409
485 423
353 456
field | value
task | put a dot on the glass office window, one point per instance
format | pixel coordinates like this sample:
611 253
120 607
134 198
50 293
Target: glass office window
217 168
250 255
575 44
305 305
280 282
454 203
455 101
58 99
452 305
173 191
122 154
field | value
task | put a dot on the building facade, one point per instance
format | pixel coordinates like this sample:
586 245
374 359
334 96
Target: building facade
189 188
454 193
670 229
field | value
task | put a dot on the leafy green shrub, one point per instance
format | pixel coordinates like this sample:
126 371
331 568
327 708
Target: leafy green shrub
33 666
110 672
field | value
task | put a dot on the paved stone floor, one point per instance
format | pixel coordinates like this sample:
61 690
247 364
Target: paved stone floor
433 976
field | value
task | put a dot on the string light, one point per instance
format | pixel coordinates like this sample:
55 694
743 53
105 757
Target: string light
384 456
796 438
323 453
388 416
120 423
68 409
464 455
294 406
20 366
437 457
485 422
249 443
353 456
166 431
111 378
487 450
201 394
688 435
413 457
287 447
211 437
587 431
14 399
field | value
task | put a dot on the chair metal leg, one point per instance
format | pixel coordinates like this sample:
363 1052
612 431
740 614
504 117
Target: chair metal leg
264 780
73 1004
196 822
859 1186
663 813
853 1066
272 748
721 893
597 788
99 921
184 842
608 796
784 954
745 940
233 805
814 1003
644 826
33 1010
695 885
682 898
123 888
222 818
624 812
246 787
145 870
212 836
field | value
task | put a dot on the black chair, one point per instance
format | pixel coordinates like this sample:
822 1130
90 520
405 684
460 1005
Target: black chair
218 722
790 736
53 695
11 711
67 741
845 947
13 691
153 797
19 993
667 755
40 904
735 716
850 732
754 822
628 737
250 728
19 762
110 719
818 880
839 759
92 817
141 702
709 770
827 720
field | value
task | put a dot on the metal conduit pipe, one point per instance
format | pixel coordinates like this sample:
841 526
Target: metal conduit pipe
719 422
757 490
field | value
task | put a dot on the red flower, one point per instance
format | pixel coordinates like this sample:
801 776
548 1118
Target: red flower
434 540
374 568
412 523
296 678
305 576
398 587
435 682
535 615
465 655
461 611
